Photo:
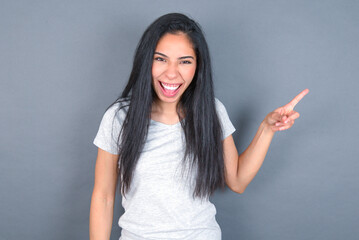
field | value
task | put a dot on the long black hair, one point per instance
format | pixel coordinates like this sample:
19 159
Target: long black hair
202 129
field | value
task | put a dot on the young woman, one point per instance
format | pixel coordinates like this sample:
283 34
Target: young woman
167 141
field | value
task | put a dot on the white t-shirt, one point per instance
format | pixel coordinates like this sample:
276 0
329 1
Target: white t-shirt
159 204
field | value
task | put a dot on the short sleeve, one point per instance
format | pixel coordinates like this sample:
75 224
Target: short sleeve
227 126
109 129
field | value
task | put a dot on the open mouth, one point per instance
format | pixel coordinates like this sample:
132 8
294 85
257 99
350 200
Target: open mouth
169 90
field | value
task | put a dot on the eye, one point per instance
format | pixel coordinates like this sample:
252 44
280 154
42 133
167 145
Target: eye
159 59
186 62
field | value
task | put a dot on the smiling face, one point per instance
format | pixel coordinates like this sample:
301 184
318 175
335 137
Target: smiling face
174 66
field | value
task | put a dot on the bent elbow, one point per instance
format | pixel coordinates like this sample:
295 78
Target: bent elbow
237 189
240 191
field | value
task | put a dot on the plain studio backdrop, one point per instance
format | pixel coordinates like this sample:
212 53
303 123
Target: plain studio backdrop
63 62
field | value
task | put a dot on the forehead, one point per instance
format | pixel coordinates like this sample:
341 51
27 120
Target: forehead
175 43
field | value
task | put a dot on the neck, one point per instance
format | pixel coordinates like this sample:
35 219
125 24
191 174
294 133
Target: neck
164 112
164 108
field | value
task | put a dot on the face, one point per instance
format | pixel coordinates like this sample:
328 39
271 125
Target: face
174 66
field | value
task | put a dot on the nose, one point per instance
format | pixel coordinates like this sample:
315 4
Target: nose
172 71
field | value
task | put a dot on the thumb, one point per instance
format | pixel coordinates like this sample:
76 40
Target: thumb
274 117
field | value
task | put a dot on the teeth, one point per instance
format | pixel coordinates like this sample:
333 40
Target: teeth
170 87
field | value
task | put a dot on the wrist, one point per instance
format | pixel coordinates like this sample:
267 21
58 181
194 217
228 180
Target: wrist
267 128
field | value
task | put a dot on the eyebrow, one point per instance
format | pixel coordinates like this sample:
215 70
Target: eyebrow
178 58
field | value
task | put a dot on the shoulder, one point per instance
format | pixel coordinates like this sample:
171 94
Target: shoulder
117 111
219 105
227 126
120 107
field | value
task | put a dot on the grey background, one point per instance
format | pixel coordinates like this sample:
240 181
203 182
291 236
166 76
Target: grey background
63 62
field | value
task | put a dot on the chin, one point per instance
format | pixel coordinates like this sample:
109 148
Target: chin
168 100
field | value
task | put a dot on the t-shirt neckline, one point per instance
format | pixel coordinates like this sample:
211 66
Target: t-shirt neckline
165 125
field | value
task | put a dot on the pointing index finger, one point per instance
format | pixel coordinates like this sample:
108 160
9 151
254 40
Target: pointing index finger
298 98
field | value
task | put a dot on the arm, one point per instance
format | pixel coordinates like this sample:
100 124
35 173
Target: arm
240 170
103 196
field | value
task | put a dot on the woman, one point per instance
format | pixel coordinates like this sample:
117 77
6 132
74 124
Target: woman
169 139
